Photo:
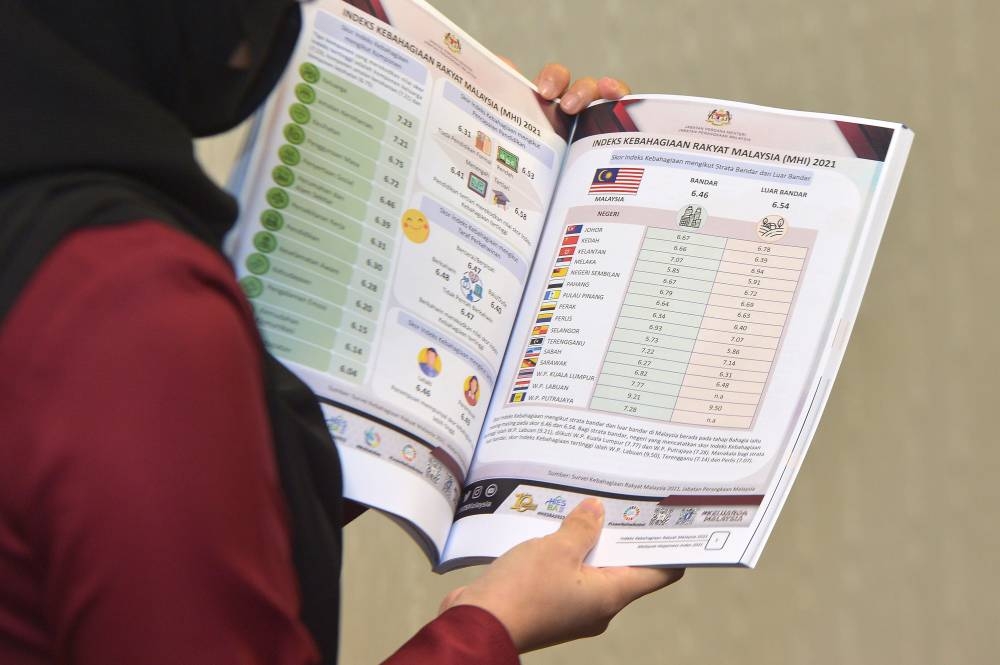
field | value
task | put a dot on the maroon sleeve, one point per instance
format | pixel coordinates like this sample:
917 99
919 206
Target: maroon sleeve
146 487
464 634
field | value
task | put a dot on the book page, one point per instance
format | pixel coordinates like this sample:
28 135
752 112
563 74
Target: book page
392 203
697 273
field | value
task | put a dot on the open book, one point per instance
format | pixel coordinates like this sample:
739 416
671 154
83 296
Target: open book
503 312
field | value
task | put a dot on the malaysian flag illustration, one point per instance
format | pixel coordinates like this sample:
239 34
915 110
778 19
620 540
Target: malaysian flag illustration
622 180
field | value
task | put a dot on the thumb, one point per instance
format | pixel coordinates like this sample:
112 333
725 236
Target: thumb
582 527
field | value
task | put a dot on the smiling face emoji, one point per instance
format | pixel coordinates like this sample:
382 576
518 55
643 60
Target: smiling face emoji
415 226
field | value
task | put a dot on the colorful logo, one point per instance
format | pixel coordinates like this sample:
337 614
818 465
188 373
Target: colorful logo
523 503
719 117
372 437
631 513
409 453
453 43
556 504
337 425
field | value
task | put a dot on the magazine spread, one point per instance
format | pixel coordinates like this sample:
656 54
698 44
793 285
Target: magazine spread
660 330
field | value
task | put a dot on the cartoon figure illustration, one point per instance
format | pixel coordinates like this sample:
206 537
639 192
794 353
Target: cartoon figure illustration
429 361
472 390
416 228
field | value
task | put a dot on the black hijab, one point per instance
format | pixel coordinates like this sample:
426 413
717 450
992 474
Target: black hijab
102 101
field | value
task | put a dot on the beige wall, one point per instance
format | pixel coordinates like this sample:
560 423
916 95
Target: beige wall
887 548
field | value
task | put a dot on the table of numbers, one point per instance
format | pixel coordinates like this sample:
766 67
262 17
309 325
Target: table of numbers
699 329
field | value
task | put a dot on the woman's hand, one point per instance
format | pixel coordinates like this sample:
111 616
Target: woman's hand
553 82
544 594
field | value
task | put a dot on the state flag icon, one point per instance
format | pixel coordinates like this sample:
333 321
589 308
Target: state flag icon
540 330
575 228
544 317
559 272
517 397
621 180
570 240
567 251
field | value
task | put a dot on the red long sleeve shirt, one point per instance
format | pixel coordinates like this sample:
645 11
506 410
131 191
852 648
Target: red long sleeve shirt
141 517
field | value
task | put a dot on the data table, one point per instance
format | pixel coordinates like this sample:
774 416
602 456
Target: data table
699 328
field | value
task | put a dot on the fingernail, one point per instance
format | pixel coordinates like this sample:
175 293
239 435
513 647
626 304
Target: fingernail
547 88
615 83
572 102
592 506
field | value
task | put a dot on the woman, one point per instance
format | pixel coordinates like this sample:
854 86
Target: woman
472 390
168 492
